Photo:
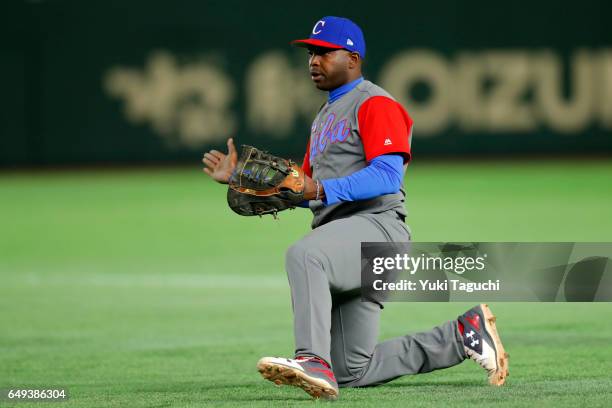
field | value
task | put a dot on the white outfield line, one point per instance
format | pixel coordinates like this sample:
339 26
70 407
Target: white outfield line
225 281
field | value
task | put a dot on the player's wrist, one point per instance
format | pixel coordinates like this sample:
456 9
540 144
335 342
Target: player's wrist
313 189
321 191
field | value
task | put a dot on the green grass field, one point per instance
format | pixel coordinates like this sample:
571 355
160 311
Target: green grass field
140 288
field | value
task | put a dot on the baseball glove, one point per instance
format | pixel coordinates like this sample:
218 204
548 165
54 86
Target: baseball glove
264 184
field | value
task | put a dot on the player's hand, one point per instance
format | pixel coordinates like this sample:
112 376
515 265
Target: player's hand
220 166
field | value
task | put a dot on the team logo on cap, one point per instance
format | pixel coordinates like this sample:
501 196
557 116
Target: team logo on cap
314 29
349 41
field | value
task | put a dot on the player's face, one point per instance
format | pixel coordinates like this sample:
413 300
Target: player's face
329 68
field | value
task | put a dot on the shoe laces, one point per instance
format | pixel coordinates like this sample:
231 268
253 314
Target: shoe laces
312 358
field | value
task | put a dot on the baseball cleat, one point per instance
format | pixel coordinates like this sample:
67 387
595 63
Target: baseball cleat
482 344
311 374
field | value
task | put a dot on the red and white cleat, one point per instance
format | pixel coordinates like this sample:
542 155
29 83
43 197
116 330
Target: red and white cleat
481 342
311 374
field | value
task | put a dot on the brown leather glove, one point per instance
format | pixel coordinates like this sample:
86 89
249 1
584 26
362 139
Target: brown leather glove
264 184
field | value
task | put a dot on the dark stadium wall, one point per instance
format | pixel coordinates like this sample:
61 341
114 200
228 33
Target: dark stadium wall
158 81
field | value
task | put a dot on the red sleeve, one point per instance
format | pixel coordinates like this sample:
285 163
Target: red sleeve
384 127
306 162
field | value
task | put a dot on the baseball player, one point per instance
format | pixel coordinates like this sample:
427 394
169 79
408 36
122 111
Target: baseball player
357 153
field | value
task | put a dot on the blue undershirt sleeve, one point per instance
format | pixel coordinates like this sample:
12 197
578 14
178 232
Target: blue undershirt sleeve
382 176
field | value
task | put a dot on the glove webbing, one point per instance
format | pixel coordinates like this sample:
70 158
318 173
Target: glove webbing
265 172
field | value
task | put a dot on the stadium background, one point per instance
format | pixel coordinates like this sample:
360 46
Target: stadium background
127 280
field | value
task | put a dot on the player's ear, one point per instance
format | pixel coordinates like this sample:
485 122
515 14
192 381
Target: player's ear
354 60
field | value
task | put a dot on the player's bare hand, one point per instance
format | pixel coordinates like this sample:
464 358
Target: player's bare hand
220 166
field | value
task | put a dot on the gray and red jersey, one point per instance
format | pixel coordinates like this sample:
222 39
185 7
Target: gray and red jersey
346 135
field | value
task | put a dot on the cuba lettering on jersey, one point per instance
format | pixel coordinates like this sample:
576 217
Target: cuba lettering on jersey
346 135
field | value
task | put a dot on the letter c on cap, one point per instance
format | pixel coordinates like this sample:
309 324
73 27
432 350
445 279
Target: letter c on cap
314 29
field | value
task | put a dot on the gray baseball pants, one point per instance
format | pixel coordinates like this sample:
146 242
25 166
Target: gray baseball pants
331 321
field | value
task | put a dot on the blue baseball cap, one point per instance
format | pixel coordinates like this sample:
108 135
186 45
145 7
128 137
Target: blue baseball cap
337 33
